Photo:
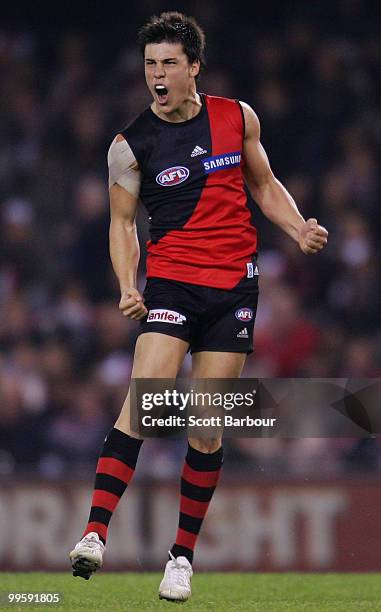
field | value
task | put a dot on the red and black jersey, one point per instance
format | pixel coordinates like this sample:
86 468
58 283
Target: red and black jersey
193 189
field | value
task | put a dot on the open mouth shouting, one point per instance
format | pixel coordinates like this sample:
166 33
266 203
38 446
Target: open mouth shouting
162 94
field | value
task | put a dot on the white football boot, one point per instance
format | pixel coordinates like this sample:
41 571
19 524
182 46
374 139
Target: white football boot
176 584
87 555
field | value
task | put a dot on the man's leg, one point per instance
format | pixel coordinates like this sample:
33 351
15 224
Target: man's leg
204 458
156 355
199 478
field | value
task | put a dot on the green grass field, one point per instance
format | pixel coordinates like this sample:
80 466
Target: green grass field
227 592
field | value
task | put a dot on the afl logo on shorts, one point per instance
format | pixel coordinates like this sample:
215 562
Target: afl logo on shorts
172 176
244 314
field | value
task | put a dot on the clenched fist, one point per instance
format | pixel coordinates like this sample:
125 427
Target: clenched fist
312 237
131 304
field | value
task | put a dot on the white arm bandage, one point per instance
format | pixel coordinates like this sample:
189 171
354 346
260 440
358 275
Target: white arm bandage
123 167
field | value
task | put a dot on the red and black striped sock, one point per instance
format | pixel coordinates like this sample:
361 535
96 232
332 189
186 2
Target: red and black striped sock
115 468
199 479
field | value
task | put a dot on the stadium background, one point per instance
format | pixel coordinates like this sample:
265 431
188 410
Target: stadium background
70 79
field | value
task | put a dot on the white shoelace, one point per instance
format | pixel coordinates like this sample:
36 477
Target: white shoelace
91 542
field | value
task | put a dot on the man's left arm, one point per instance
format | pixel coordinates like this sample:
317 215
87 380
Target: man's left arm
271 196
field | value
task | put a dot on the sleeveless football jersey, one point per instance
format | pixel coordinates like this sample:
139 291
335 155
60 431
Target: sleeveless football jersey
193 189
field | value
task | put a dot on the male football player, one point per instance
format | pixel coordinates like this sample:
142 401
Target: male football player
187 158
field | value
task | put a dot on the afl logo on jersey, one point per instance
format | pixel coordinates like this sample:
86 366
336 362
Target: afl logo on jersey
244 314
172 176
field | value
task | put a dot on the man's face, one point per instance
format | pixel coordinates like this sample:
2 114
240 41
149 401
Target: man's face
169 74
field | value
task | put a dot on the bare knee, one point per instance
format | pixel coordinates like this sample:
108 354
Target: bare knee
207 445
125 421
123 425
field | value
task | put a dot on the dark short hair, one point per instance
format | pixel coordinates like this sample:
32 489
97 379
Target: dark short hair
174 27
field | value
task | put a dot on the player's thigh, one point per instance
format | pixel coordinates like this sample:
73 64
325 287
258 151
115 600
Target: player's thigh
211 364
215 364
156 356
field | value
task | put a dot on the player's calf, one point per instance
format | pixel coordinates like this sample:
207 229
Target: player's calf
115 468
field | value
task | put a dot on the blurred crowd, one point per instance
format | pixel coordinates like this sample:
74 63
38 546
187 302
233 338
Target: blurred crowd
65 350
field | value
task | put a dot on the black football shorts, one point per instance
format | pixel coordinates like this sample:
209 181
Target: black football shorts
209 319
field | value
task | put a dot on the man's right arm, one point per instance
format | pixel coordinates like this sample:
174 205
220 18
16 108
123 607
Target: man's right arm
124 185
